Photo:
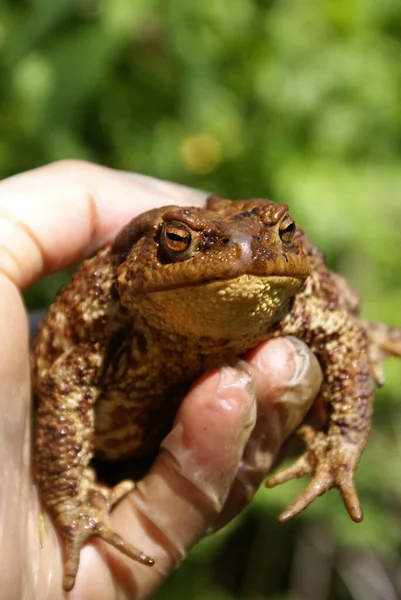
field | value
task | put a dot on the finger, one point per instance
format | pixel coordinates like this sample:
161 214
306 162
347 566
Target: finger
54 216
287 378
187 486
15 396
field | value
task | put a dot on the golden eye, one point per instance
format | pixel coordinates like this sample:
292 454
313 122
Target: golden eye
287 230
175 237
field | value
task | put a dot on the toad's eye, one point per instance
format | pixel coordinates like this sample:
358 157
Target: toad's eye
175 237
287 230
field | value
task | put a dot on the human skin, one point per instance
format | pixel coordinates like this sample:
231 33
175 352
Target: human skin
226 434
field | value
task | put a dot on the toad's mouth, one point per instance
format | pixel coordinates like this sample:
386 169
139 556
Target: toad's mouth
242 285
243 305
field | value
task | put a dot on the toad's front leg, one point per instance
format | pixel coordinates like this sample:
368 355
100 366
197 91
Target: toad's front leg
79 506
340 342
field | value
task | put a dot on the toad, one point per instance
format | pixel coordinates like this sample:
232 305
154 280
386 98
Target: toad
181 291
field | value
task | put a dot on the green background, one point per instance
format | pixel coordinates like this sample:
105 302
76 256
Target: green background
296 100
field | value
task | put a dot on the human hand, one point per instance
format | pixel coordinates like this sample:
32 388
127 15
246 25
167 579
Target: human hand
214 458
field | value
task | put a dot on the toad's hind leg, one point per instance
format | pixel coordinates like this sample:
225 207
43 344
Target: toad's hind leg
332 455
92 520
79 506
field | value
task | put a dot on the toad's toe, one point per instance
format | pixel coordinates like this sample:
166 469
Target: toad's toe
330 465
87 518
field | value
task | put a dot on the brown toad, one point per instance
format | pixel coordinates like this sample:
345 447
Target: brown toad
181 291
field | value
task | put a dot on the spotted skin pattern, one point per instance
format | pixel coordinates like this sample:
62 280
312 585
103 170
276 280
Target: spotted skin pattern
181 291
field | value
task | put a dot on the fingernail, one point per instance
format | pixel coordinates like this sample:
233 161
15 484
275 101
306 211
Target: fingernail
239 375
286 359
235 382
301 360
303 385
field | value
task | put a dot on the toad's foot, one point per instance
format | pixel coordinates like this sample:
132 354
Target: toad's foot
384 341
331 466
89 517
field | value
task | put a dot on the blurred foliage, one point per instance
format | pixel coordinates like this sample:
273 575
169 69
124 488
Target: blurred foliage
298 100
